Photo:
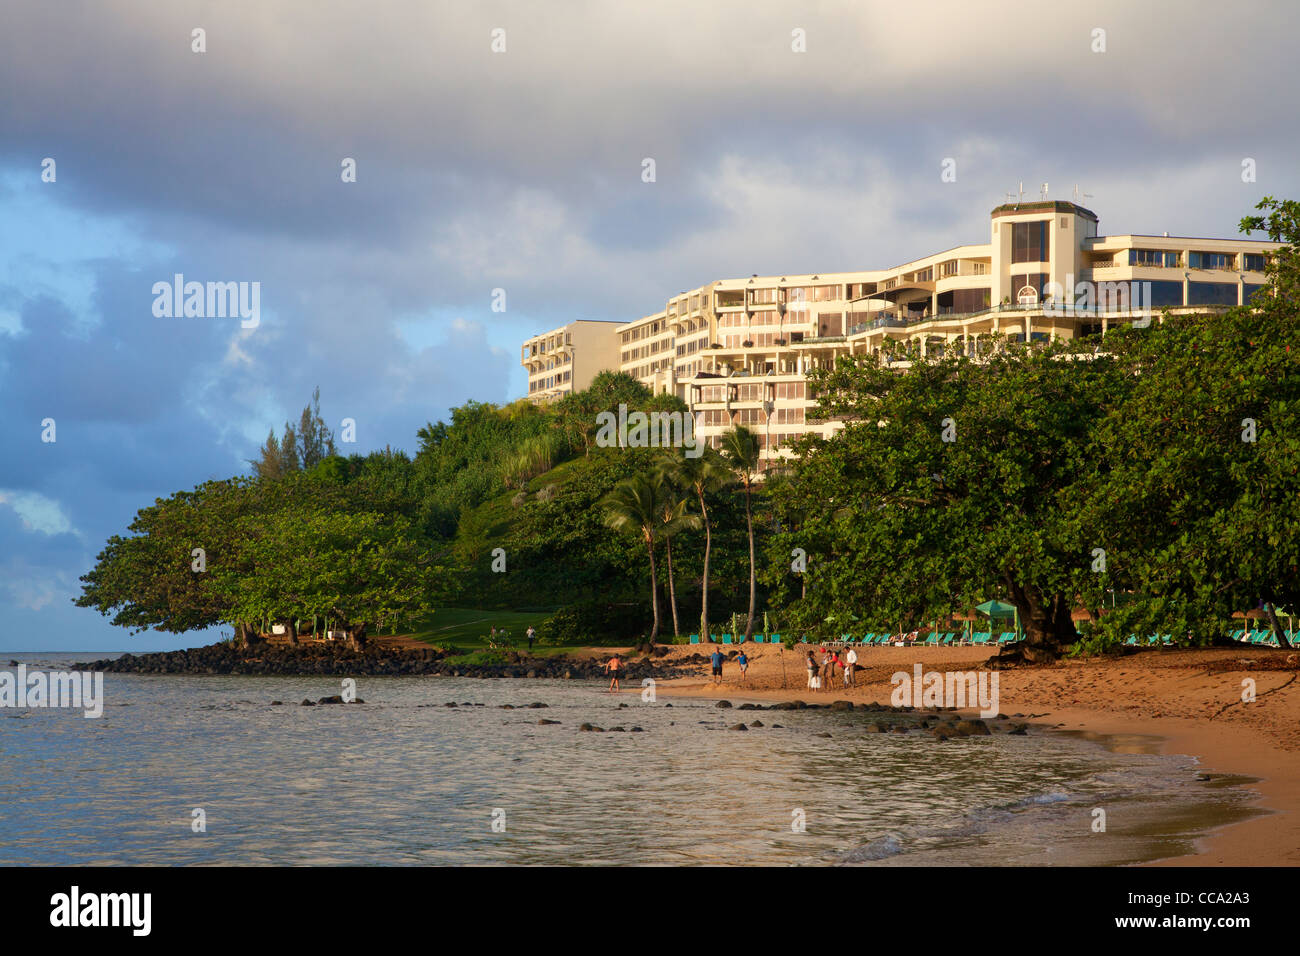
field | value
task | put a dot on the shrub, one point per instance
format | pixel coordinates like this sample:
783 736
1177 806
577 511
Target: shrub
595 622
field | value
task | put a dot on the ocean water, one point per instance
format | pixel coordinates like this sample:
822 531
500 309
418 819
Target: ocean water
403 779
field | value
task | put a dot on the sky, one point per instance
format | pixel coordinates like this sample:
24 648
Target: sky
518 168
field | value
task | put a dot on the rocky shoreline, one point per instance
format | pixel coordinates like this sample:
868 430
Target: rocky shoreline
318 660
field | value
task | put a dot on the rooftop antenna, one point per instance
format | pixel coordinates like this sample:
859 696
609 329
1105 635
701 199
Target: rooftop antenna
1080 195
1022 194
1043 190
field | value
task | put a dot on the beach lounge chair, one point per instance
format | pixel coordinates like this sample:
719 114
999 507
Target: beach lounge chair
947 639
981 637
726 638
931 639
774 639
695 638
1007 637
1237 635
846 638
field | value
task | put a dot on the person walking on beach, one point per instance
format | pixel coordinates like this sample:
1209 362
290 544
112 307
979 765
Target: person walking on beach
716 660
743 661
850 664
531 634
613 668
828 669
811 664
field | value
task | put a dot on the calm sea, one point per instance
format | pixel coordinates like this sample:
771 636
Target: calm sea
403 779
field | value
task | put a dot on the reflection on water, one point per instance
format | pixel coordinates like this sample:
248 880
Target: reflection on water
403 779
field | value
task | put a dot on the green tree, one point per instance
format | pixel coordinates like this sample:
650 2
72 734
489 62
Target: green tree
315 439
299 448
1200 510
954 482
357 571
741 452
675 517
635 506
701 476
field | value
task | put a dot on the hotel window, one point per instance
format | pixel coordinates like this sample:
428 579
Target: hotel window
1153 257
1253 262
1035 280
1209 260
970 300
1029 241
1211 293
1248 289
1166 294
949 268
764 296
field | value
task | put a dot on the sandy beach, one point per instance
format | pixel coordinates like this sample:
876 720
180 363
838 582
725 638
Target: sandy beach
1177 701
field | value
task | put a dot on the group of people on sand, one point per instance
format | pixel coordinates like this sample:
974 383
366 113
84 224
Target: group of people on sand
821 675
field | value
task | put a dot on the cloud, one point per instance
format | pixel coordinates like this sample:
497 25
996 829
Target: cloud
37 512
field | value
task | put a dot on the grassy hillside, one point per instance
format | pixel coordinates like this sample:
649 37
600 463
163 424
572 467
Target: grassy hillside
469 628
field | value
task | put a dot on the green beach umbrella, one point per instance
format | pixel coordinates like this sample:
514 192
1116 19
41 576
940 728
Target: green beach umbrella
996 608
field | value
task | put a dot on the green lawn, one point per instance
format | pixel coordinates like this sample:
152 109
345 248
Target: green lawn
467 629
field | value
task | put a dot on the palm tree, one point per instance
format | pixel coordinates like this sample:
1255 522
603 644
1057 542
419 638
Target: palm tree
740 450
674 518
634 505
701 475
